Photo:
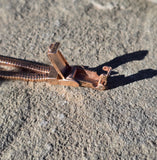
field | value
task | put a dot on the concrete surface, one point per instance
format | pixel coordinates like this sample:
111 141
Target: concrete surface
40 121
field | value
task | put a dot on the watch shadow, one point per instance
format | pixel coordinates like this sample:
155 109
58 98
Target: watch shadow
120 80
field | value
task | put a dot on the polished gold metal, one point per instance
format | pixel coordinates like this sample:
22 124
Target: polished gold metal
60 72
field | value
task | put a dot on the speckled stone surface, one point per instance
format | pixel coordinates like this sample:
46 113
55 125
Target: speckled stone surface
40 121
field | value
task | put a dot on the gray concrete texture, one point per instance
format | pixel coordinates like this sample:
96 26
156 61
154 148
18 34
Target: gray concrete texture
43 121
